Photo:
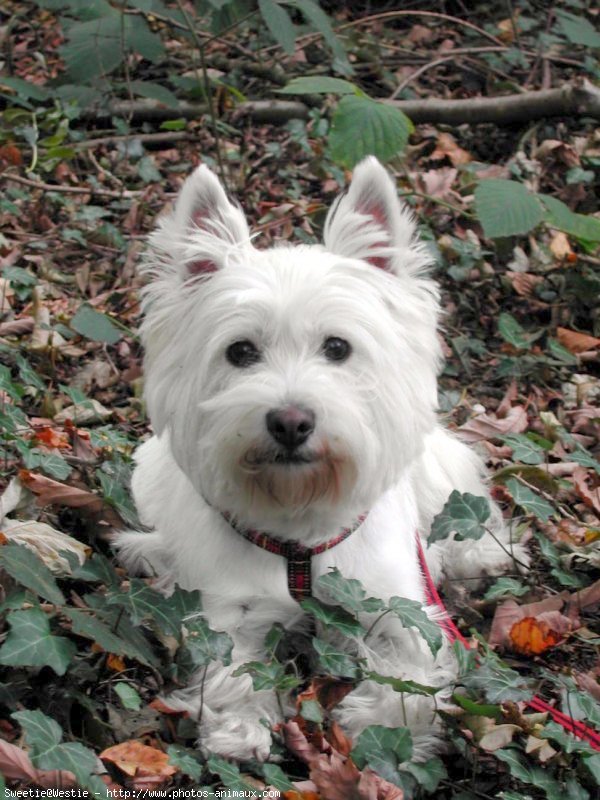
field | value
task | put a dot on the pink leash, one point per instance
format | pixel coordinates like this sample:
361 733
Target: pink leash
433 598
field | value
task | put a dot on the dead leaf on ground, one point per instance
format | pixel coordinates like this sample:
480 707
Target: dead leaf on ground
532 636
547 611
15 765
587 486
447 147
49 491
576 342
524 283
139 760
541 748
489 426
560 247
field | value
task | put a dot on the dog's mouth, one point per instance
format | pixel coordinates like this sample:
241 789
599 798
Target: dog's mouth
256 460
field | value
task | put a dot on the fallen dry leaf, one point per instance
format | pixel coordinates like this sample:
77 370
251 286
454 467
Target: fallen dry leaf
587 486
139 760
576 342
560 247
532 636
447 147
49 491
540 748
524 283
15 765
498 736
488 426
560 613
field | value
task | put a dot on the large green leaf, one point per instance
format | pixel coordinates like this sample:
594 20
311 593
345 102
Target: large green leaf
205 645
497 682
464 514
279 23
401 685
558 215
347 592
361 127
29 643
333 616
94 325
30 571
513 333
268 675
335 661
530 773
506 208
411 615
44 737
319 84
154 91
87 624
383 749
315 15
529 500
577 28
524 449
144 603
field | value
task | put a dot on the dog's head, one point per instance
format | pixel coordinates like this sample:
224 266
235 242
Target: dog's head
291 380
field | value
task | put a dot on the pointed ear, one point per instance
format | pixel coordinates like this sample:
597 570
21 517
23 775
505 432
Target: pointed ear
208 224
369 222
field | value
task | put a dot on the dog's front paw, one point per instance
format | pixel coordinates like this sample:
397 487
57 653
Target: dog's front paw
239 738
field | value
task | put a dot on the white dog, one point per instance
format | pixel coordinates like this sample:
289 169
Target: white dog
292 392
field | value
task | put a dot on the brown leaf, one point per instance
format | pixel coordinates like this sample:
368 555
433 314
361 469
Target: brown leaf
587 486
524 283
546 612
576 342
139 760
488 426
447 147
15 765
560 247
49 491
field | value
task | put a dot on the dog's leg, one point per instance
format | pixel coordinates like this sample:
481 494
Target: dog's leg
448 464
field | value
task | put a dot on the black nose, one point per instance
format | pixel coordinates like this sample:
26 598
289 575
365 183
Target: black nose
290 426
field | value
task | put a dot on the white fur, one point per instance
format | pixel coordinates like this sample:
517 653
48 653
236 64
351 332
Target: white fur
376 445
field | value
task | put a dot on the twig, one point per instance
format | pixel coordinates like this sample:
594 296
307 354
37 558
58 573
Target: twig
400 88
51 187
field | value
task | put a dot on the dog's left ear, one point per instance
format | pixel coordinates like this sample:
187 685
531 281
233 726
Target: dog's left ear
368 222
208 224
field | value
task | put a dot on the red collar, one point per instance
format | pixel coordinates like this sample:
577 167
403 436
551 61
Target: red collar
298 556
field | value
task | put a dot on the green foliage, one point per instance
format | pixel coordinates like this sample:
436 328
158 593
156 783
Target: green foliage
30 643
464 515
30 571
506 208
384 750
529 501
94 325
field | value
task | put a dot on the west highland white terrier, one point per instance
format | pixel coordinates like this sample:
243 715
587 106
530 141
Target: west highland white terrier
293 396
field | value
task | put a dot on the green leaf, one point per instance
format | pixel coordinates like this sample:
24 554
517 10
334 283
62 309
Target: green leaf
174 124
463 514
506 587
29 643
86 624
524 449
539 777
131 636
568 742
411 615
25 89
333 616
206 645
154 91
577 28
428 773
95 326
506 208
314 14
185 604
276 777
592 764
230 775
529 501
361 127
558 215
270 675
98 568
185 760
44 735
94 48
334 661
400 685
478 709
30 571
147 170
279 24
319 84
498 682
128 696
311 711
383 749
144 603
513 333
347 592
51 463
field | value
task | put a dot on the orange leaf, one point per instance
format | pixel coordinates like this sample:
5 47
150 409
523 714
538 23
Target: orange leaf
294 795
137 759
3 538
158 705
532 636
115 663
51 437
576 342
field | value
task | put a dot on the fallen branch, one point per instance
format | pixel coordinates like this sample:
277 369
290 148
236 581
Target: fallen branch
569 100
56 187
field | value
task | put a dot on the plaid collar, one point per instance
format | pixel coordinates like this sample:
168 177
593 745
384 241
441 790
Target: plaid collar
297 555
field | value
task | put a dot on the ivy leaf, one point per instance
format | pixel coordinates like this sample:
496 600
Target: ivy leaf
524 449
30 571
334 661
86 624
464 514
348 592
51 463
29 643
205 645
361 127
184 604
428 773
497 682
128 696
94 325
97 568
276 777
411 615
506 587
478 709
333 616
577 29
143 603
534 775
311 711
44 737
506 208
529 500
383 749
513 333
270 675
185 760
230 776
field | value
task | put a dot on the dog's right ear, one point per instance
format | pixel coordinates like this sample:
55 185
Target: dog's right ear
208 224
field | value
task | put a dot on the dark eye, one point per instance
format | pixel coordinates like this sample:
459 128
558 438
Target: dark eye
242 354
336 349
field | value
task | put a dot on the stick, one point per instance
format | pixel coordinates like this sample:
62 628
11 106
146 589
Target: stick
55 187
